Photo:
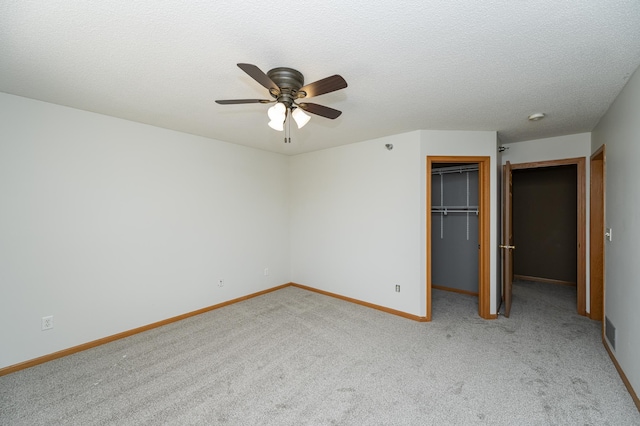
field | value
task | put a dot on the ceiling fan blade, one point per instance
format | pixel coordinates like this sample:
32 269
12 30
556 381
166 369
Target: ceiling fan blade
257 74
243 101
320 110
326 85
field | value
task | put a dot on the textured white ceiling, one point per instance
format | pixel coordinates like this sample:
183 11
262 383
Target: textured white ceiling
410 64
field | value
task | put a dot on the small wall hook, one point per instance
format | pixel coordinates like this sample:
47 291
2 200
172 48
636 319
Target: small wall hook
389 146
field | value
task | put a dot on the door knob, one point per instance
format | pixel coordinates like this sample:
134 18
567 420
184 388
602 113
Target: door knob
507 247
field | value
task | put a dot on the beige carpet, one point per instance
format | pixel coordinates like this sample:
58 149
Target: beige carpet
294 357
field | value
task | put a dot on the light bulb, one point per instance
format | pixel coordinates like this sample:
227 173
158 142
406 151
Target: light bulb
301 118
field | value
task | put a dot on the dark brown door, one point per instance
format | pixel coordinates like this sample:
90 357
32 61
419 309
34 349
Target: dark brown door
507 239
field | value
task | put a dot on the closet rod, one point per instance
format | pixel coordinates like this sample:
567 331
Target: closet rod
454 169
446 211
455 207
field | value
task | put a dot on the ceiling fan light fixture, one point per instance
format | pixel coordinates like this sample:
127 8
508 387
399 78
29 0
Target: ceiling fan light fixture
277 114
286 85
300 117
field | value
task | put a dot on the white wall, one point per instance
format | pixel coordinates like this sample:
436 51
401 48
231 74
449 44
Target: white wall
570 146
109 225
355 221
466 144
359 215
619 129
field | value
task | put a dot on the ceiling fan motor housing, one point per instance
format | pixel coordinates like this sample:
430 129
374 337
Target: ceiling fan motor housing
289 81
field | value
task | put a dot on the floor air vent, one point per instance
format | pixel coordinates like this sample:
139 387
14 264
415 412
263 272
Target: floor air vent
610 332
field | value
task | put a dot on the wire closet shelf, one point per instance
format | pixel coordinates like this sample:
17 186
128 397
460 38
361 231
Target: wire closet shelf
445 210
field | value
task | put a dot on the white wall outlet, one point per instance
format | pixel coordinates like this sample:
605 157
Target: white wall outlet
220 282
397 288
266 272
47 322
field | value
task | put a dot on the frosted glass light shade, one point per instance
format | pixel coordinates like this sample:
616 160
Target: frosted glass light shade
301 118
277 125
277 114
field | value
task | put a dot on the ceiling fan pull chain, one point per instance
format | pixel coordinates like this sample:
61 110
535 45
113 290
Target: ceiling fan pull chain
287 136
284 125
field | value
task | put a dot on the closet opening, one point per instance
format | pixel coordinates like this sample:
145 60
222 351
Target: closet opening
454 228
458 228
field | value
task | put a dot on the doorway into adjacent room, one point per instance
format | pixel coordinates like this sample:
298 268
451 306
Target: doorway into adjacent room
548 217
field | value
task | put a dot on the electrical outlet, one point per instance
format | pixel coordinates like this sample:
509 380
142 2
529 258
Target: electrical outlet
47 322
220 282
266 272
397 288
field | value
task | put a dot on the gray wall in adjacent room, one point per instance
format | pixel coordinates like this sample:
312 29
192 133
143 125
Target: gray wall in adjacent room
545 223
454 258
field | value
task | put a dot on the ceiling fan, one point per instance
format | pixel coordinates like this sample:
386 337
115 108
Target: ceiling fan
286 87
